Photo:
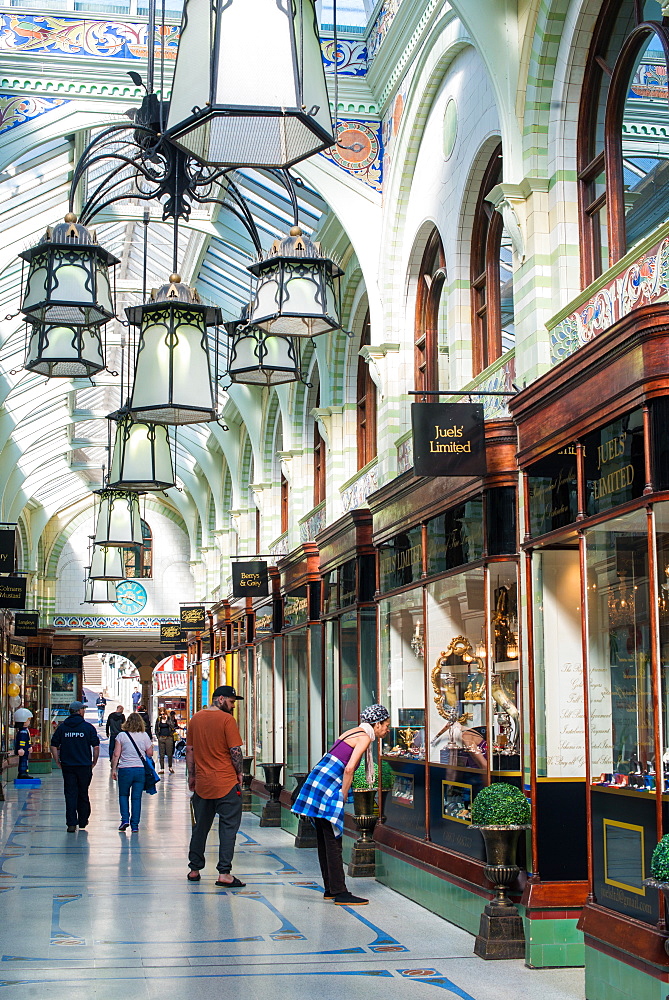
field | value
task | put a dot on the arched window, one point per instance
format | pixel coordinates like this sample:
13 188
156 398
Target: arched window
284 503
623 152
365 403
138 558
426 337
491 276
319 457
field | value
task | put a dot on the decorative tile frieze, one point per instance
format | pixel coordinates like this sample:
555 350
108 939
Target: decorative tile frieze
311 525
280 546
381 26
46 34
351 56
405 456
359 151
355 495
644 281
18 110
114 623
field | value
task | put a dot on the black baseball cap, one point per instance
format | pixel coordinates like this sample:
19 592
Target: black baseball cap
225 691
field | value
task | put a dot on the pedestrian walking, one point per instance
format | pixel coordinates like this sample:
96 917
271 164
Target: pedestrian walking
165 730
115 722
101 704
144 715
136 699
75 747
325 791
131 747
214 760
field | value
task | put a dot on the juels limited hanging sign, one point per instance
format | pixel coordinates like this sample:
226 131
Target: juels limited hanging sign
448 439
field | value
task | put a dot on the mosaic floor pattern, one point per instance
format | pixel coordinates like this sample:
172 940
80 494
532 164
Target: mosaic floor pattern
109 915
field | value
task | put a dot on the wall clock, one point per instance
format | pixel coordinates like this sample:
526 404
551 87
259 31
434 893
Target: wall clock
130 597
357 146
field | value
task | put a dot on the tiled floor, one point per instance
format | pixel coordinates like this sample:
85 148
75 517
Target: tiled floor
103 914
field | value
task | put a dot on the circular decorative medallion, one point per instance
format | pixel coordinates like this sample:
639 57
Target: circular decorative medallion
450 127
357 146
130 597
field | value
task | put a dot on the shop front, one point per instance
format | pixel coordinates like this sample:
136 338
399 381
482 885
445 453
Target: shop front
38 696
449 673
594 453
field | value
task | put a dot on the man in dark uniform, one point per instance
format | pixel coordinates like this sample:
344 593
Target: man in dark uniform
75 747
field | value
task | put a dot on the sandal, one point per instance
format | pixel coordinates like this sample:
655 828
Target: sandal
235 884
193 875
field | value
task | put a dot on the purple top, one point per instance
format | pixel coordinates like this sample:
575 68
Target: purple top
342 750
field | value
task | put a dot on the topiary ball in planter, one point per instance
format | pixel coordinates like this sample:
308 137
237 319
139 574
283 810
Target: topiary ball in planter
500 804
659 863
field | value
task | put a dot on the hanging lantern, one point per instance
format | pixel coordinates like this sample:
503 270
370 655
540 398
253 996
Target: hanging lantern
295 294
107 563
99 592
60 351
119 521
142 458
256 358
173 383
68 277
227 115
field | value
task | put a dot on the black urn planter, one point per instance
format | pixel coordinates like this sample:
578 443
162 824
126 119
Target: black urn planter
306 831
663 887
271 814
363 856
247 778
501 933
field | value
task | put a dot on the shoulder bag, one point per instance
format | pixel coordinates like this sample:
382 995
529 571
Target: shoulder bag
151 777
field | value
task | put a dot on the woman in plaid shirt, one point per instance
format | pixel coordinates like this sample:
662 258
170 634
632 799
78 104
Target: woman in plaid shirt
326 789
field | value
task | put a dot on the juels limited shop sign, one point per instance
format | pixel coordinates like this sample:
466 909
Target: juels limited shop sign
448 439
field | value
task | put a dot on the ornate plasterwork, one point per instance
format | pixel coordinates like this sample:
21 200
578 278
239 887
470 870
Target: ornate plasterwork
18 110
356 494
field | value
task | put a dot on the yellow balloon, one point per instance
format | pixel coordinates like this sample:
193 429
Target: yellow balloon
13 690
14 668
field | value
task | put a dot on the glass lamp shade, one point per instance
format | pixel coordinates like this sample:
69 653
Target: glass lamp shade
119 521
224 114
107 563
142 457
99 592
64 351
173 383
295 294
68 277
257 358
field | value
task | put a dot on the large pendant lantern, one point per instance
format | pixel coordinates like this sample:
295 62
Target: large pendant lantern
142 456
119 521
258 358
99 592
173 383
68 277
225 113
64 351
296 294
107 563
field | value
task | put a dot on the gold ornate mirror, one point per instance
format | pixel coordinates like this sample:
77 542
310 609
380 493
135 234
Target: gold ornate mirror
443 678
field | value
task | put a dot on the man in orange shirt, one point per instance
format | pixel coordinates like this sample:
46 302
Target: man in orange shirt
214 759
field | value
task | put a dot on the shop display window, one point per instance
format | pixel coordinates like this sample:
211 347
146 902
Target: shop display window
456 537
552 491
614 464
296 701
348 650
403 673
501 521
558 659
662 543
332 687
401 559
263 748
619 651
457 671
505 693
